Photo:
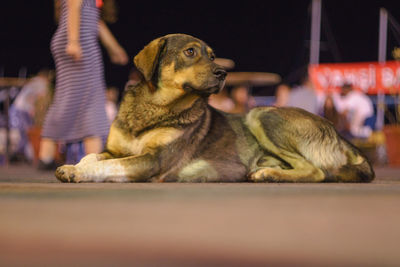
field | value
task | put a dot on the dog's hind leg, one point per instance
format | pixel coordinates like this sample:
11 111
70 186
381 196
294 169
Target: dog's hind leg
357 169
288 165
309 144
301 171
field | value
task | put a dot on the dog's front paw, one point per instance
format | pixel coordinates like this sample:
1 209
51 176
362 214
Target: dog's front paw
263 175
69 174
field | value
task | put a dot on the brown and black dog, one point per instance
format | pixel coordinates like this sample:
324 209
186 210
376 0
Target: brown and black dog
166 131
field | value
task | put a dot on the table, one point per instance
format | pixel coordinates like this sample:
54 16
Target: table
252 78
225 62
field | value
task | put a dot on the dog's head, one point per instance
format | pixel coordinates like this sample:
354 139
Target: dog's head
179 64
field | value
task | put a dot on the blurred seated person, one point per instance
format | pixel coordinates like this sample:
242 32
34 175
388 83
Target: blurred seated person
221 101
356 107
133 77
22 113
242 100
282 94
112 94
331 113
304 96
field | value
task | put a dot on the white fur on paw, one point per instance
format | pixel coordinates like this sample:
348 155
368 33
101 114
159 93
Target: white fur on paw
90 158
69 174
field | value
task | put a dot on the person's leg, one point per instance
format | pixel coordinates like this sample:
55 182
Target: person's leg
47 152
93 144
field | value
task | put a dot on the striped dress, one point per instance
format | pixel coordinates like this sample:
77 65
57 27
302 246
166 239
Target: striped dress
78 108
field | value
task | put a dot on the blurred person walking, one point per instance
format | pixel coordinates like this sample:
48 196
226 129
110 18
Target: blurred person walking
78 108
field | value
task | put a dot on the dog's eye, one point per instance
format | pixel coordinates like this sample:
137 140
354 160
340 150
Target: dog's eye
212 57
190 52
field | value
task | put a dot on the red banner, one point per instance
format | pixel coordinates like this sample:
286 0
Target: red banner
369 77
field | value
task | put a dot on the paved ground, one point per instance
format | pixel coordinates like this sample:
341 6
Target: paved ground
46 223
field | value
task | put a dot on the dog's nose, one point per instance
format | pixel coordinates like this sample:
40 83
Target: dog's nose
220 74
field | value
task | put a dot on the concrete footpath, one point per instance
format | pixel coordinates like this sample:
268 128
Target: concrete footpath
47 223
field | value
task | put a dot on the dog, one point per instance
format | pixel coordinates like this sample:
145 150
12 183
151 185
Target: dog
165 131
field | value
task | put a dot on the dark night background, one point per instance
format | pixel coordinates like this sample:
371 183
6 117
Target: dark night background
270 36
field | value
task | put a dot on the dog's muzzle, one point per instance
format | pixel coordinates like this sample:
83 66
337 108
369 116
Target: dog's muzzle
220 74
215 87
203 92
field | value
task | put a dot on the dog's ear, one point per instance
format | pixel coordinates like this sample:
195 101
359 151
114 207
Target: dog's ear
148 58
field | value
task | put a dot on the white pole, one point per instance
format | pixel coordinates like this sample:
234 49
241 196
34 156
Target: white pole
383 22
315 31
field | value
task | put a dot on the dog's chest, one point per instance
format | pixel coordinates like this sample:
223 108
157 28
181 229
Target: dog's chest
125 144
